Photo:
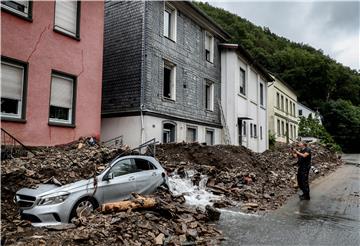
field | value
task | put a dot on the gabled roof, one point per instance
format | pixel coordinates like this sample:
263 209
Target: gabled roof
246 55
199 16
286 84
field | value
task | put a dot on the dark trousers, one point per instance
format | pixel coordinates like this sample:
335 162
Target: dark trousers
303 180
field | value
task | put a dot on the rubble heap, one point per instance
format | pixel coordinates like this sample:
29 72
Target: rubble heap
256 181
250 180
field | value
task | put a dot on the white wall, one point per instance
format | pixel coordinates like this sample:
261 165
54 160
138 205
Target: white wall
130 128
236 105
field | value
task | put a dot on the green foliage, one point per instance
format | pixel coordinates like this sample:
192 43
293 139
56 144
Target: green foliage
342 119
311 127
272 139
316 77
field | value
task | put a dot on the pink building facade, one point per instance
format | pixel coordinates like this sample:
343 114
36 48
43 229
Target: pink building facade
51 70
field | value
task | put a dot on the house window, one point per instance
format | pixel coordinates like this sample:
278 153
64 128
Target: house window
261 94
300 112
295 133
282 128
278 128
244 128
13 88
286 104
261 136
251 130
291 132
209 96
255 131
209 137
169 86
291 108
169 133
170 22
282 103
278 100
242 81
209 47
67 17
191 134
62 99
20 8
294 112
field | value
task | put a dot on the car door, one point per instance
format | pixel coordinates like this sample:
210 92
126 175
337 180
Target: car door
148 178
122 183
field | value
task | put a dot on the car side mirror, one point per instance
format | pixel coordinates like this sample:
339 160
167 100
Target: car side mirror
109 176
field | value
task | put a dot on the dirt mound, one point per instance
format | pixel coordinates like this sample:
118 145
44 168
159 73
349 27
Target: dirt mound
264 180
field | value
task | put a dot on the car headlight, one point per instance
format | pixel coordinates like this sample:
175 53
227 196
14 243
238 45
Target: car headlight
53 198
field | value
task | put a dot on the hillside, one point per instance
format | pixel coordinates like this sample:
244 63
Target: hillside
322 83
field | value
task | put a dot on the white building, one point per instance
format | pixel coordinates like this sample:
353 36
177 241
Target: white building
244 98
306 112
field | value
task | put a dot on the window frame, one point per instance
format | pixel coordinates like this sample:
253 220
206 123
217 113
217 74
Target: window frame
211 86
55 122
282 102
212 43
63 31
169 65
10 10
278 100
212 135
242 82
196 133
173 21
255 131
251 130
25 67
163 130
278 127
261 87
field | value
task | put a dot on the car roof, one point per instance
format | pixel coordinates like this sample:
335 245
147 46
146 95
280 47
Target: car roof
144 157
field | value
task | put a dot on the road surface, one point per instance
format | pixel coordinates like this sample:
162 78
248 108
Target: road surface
331 217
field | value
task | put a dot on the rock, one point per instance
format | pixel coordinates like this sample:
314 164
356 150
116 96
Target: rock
251 205
267 196
212 213
192 234
159 240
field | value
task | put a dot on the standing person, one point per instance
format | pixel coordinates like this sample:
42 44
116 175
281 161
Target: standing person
304 165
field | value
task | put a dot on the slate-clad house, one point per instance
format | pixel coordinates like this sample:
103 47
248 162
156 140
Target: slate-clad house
161 73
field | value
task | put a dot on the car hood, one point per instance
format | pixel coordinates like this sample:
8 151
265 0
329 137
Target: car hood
48 189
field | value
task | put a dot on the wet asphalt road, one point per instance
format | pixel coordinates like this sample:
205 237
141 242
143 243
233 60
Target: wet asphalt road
331 217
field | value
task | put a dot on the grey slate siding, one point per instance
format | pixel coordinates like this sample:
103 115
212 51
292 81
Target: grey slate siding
122 90
122 56
192 70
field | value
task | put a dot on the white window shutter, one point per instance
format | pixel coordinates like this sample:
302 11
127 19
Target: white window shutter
61 92
11 82
66 15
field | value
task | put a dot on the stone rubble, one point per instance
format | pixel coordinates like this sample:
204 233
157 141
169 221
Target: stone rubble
252 182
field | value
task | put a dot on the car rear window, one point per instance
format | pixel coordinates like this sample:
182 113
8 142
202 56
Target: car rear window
143 165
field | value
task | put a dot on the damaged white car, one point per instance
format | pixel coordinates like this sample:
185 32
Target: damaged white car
53 204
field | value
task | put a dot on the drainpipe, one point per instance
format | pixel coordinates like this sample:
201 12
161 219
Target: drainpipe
143 75
142 130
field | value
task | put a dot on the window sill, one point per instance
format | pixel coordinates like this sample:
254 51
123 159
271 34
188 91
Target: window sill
210 62
242 95
58 124
170 39
66 34
263 107
27 18
209 110
166 99
4 118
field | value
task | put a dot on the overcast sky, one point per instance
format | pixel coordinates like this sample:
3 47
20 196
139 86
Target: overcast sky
333 27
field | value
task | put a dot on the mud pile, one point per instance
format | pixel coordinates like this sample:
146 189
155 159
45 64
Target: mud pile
253 181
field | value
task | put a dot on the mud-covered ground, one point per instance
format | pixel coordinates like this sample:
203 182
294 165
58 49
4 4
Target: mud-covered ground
249 180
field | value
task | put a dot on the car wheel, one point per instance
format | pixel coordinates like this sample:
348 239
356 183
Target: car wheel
83 207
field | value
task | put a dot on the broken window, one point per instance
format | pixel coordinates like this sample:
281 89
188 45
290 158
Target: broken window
168 133
191 134
209 47
22 8
67 17
209 96
12 88
242 81
169 80
170 22
209 137
143 165
62 99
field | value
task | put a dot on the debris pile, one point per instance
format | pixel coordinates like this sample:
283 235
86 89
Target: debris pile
254 181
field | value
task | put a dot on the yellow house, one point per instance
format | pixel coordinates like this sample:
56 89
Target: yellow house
282 111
